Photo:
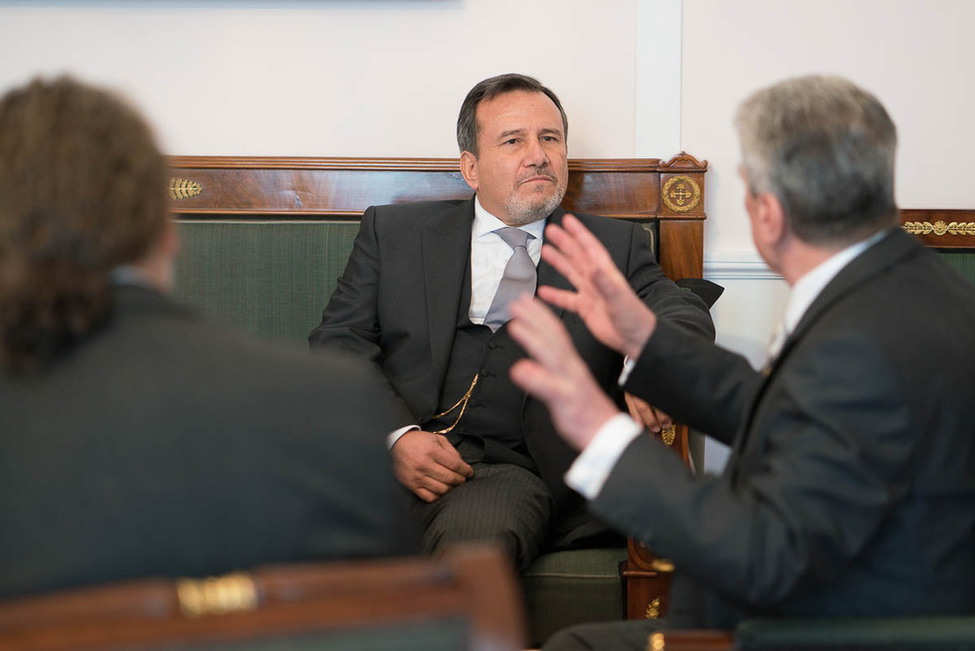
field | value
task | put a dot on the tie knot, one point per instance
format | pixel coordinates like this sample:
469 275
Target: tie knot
514 237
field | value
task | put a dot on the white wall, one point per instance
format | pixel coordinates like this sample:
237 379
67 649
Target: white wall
327 78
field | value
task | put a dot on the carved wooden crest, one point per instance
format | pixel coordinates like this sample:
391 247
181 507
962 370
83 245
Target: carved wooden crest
681 193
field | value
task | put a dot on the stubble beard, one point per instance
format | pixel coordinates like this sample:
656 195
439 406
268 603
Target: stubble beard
526 210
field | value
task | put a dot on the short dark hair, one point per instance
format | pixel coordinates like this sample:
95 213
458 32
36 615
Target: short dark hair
82 190
825 148
467 126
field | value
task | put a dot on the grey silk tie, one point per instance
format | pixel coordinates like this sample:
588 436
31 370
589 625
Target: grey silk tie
519 277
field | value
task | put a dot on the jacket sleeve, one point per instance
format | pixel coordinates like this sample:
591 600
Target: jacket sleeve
828 461
350 321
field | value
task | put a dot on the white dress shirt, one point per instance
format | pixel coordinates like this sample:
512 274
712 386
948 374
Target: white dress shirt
592 467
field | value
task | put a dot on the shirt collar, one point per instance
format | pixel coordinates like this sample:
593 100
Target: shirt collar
807 288
485 222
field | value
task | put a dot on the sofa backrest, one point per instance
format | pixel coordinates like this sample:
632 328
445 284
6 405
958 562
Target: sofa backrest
265 239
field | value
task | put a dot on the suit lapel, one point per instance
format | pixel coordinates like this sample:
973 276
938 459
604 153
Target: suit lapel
874 261
445 255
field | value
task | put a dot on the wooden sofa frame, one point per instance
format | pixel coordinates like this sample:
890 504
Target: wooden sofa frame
667 197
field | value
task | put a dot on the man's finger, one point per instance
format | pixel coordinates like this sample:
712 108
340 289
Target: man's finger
642 412
447 476
534 379
447 457
539 332
425 495
563 298
435 487
587 243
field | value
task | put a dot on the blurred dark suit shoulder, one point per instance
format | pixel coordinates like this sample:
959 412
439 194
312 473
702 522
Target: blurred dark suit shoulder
161 445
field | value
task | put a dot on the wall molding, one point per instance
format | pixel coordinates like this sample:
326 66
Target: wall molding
737 265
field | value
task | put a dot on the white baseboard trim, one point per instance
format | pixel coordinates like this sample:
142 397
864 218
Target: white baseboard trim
737 265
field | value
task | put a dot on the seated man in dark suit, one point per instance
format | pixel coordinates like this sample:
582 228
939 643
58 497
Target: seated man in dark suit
850 489
425 296
136 439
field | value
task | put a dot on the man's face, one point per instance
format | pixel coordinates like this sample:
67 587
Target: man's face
521 169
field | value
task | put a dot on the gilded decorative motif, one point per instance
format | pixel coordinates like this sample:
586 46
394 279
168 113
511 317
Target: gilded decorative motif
681 193
940 228
216 595
653 609
180 189
662 565
656 642
669 435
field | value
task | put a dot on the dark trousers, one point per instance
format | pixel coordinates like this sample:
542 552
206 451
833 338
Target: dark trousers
502 503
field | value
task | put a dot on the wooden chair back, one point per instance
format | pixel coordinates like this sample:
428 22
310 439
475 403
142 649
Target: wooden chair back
467 600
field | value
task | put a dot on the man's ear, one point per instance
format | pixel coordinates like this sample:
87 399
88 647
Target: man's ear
468 167
769 219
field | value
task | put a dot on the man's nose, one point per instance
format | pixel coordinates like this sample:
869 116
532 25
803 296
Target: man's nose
536 156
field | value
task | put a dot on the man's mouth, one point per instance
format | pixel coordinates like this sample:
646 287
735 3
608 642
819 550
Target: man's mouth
537 177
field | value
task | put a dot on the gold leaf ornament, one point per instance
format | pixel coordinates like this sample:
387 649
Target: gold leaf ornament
940 228
180 189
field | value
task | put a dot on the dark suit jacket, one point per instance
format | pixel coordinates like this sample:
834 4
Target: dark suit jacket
398 299
162 446
850 489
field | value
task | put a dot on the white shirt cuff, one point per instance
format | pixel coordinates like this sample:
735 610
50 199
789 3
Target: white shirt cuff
591 469
628 365
395 434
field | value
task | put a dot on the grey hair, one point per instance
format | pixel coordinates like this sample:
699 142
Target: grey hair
467 126
825 148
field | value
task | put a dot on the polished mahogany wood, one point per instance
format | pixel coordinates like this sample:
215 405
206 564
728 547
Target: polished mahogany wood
943 229
475 585
271 188
691 641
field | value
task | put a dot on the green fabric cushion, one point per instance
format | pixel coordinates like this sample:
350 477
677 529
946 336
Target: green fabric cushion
271 279
442 635
572 587
962 260
934 632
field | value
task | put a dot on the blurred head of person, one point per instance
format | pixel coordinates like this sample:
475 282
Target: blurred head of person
824 148
82 193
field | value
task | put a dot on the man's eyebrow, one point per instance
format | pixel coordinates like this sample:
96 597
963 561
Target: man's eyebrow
557 132
511 132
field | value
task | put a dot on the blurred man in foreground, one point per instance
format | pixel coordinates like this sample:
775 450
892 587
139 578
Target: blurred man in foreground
851 485
135 439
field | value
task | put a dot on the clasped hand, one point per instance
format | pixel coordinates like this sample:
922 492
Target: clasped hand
428 465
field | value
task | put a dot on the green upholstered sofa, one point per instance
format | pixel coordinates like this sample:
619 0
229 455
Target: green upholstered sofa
265 239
